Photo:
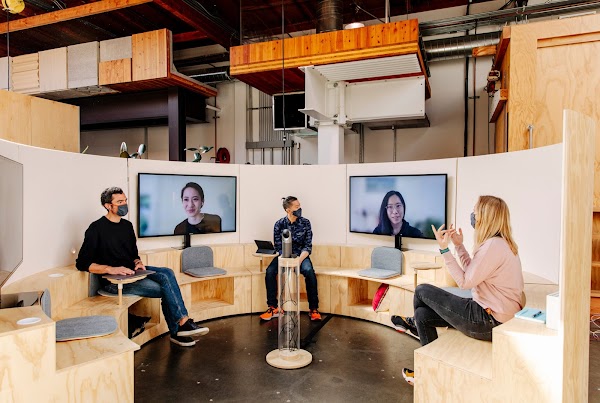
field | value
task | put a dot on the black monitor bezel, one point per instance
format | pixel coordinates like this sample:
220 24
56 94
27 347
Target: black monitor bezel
445 175
201 175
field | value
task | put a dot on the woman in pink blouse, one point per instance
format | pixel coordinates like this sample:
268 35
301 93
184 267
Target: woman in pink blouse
493 274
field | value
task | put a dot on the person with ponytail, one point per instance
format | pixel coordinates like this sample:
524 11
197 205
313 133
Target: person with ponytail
493 274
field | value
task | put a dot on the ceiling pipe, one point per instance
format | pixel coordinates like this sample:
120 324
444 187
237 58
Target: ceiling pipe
329 15
458 47
500 17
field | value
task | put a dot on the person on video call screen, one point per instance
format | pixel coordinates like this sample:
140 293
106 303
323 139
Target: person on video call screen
391 217
197 222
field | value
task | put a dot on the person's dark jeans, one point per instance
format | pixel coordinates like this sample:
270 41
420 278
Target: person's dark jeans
163 285
435 307
306 269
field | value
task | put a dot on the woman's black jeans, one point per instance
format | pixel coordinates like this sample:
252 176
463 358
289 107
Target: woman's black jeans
435 307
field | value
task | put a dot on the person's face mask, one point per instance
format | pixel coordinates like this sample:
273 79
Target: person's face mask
122 210
473 220
297 213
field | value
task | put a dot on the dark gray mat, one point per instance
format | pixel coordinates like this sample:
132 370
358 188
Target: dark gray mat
205 271
85 327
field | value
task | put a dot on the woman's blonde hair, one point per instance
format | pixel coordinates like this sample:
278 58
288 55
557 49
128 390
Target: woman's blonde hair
493 219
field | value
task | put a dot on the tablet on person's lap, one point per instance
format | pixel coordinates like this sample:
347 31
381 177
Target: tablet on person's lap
265 247
138 273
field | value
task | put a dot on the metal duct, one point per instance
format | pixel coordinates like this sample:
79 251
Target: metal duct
329 15
214 76
458 47
499 17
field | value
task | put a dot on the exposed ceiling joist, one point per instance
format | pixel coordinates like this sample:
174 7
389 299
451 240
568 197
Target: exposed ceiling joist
71 13
189 36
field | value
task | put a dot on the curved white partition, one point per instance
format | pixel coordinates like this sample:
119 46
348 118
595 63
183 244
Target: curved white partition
62 198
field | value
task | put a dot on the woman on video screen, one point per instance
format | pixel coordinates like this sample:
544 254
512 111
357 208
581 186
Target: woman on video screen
391 217
192 198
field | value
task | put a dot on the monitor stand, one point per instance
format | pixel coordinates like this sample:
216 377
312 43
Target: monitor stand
186 242
398 243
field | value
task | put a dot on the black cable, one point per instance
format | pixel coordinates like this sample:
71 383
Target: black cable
466 97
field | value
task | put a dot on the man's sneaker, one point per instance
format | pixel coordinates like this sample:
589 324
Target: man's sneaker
183 341
314 314
409 376
271 313
405 324
189 328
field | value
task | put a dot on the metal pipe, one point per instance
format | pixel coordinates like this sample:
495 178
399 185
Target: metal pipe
329 15
387 11
458 47
395 143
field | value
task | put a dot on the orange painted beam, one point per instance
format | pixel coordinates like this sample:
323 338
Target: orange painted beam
71 13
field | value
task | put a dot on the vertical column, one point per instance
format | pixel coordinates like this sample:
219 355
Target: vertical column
330 144
576 252
176 117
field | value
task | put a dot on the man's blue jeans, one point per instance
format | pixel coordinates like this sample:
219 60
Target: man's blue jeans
306 269
435 307
163 285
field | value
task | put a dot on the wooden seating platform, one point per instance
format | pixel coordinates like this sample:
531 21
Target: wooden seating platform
454 357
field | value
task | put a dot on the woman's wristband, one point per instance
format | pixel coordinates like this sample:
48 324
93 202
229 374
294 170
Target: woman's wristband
442 251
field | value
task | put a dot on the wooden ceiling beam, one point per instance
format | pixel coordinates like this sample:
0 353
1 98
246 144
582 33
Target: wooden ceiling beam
189 36
86 10
196 20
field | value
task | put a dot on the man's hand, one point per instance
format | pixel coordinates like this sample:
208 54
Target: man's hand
120 271
139 265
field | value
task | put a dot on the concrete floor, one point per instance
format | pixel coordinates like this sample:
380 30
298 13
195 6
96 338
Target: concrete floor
353 361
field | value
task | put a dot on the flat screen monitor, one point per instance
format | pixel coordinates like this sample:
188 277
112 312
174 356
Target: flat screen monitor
294 120
384 205
171 204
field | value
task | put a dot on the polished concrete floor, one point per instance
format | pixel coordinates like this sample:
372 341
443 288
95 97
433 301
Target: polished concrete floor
353 361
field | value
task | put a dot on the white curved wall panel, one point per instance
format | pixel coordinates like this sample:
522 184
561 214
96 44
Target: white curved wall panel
321 190
62 193
530 183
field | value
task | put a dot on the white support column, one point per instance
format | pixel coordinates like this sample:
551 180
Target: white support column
330 144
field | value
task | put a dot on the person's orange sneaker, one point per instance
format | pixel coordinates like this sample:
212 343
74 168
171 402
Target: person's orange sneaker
314 314
271 313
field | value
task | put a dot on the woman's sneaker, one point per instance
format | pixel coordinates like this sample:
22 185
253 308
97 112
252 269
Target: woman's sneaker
405 324
409 376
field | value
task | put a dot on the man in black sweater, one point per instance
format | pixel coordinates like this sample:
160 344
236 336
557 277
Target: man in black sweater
109 247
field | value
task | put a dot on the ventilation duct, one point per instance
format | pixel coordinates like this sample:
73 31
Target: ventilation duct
213 76
329 15
458 47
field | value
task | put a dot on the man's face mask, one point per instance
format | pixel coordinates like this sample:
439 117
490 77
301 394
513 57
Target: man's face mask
122 210
297 213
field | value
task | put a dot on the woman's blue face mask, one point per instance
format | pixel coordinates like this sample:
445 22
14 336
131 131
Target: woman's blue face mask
473 220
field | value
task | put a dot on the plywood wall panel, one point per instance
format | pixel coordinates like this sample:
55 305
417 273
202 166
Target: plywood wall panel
53 70
151 55
54 125
114 72
83 64
25 76
115 49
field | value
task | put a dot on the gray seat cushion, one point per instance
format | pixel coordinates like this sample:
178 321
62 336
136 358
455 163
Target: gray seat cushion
385 263
197 261
85 327
378 273
205 271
